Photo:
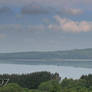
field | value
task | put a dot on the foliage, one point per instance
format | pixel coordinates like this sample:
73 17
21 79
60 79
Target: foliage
32 80
50 86
12 88
84 84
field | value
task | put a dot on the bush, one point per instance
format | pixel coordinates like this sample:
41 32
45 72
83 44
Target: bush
12 88
50 86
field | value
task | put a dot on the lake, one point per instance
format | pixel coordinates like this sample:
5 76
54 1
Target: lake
69 69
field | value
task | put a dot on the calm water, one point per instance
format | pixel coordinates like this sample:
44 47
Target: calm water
69 69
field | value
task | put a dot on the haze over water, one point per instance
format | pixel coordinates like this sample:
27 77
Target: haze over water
67 69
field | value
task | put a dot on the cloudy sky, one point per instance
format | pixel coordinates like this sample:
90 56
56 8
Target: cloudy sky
45 25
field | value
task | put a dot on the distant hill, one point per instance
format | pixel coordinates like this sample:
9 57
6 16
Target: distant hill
70 54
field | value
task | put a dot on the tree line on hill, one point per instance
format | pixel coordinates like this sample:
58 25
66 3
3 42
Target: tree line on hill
46 82
32 80
68 54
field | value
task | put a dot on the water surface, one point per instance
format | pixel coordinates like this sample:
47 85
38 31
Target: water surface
64 71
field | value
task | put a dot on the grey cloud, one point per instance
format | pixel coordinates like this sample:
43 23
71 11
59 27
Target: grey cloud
54 3
5 10
36 9
2 36
40 9
20 27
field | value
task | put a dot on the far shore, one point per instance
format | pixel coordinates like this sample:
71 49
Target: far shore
44 60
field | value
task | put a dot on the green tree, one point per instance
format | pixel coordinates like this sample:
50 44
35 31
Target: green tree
50 86
12 88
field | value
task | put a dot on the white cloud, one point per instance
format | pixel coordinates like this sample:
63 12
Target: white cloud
68 25
73 11
61 24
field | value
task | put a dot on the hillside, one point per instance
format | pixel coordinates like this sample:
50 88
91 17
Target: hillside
70 54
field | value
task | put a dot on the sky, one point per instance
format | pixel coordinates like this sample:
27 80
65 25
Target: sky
45 25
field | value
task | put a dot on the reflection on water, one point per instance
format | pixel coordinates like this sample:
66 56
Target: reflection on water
75 63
